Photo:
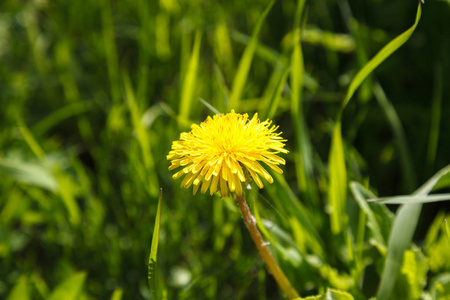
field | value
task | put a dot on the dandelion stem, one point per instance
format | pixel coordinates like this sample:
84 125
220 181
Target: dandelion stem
272 265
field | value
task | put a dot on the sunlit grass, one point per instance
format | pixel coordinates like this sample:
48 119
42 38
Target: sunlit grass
93 93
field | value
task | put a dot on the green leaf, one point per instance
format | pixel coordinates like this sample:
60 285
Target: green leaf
435 115
444 180
142 137
190 78
407 199
436 245
276 95
338 178
246 60
70 288
331 295
440 287
379 229
447 231
152 271
117 295
412 277
292 206
337 189
401 235
381 56
29 173
57 116
408 173
20 290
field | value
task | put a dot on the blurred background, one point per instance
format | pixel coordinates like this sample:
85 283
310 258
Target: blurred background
92 94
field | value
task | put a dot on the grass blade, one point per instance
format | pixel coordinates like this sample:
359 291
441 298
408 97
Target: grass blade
409 178
117 294
57 116
447 230
381 56
406 199
400 239
190 78
337 191
303 150
435 116
401 235
292 206
152 274
20 289
276 95
434 182
142 137
360 194
246 60
110 49
209 106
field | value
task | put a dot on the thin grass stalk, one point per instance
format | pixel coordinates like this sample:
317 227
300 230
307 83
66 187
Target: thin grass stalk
272 265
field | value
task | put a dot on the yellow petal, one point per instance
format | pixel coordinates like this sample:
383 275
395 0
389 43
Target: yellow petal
214 183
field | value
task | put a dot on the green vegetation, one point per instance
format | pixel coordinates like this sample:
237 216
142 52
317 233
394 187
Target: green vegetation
92 94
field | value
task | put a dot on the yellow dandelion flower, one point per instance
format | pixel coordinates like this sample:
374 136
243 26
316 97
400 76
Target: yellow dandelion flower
224 150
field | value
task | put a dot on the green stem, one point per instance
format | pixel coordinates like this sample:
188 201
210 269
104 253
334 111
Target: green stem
272 265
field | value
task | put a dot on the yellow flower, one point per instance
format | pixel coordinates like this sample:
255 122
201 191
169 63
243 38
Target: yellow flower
226 149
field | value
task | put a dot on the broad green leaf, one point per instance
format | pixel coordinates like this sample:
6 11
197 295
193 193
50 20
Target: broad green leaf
70 288
440 287
20 291
190 78
331 295
241 75
436 245
341 281
29 173
399 240
152 262
401 235
412 277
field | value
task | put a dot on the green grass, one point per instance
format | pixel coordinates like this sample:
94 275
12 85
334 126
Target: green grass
92 94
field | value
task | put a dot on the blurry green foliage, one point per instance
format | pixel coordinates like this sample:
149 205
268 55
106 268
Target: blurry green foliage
92 93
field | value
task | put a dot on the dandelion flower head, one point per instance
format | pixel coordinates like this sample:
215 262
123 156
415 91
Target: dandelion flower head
225 151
